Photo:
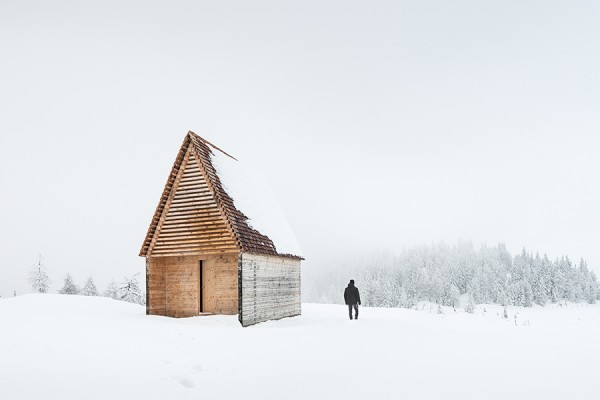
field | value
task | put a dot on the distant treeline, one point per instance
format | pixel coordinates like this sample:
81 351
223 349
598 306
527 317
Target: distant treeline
442 274
129 290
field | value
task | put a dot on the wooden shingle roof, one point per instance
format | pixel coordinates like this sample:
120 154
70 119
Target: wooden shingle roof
194 167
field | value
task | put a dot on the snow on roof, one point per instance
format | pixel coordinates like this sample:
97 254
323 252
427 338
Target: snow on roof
253 196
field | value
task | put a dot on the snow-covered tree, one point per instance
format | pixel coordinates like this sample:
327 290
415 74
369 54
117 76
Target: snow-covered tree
89 289
450 294
539 281
570 282
130 291
69 287
594 288
38 277
520 293
470 308
474 288
403 300
112 290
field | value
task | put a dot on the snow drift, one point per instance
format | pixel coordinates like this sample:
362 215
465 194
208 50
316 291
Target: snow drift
74 347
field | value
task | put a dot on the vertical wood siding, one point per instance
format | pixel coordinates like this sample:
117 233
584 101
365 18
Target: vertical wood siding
174 285
155 282
269 288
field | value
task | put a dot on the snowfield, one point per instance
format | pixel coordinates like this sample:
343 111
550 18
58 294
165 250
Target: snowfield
75 347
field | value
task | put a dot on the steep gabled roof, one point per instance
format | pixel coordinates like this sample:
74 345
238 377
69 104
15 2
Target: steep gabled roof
200 164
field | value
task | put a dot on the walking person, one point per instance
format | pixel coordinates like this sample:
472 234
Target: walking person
352 299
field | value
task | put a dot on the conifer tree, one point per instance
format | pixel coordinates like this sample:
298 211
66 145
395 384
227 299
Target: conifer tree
470 308
89 289
112 290
38 277
538 285
69 287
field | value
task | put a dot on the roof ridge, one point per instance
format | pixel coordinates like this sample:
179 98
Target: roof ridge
214 184
211 145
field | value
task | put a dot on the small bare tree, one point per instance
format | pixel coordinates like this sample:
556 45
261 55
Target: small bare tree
131 292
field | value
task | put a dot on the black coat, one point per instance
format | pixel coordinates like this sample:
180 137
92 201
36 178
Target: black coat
351 295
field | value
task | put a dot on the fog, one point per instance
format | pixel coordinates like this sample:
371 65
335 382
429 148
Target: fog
379 125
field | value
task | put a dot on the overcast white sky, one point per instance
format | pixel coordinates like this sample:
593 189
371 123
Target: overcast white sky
379 124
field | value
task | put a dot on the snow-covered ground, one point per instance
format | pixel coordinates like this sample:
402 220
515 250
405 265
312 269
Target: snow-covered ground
73 347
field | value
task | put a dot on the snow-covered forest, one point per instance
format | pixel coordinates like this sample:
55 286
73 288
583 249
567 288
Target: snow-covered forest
442 274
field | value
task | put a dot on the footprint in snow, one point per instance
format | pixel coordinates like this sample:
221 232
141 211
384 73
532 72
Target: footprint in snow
197 368
186 381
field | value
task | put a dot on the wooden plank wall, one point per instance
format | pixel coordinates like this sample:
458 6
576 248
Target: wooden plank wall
155 286
270 288
173 285
192 222
221 278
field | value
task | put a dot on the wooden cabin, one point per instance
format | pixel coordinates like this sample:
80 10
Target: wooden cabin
218 242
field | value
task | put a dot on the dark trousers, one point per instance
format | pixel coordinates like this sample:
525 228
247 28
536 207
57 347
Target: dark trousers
355 310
